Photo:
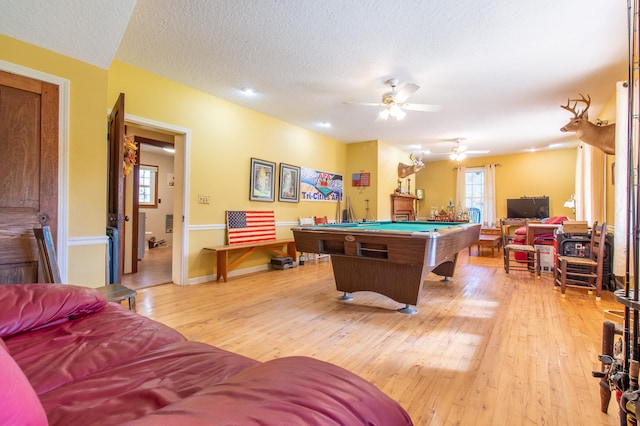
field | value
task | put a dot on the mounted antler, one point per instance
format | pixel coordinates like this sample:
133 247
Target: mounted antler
405 170
602 137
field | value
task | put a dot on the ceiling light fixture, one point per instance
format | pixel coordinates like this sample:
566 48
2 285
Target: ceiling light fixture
248 91
392 110
458 152
325 124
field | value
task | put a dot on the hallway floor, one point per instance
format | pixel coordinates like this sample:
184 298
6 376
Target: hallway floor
153 269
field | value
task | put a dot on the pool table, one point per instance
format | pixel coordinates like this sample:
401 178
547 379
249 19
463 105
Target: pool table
390 258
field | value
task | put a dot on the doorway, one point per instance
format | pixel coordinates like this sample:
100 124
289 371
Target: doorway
165 263
149 240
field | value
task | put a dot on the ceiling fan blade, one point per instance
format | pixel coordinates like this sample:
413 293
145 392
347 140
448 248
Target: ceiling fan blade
406 92
422 107
364 103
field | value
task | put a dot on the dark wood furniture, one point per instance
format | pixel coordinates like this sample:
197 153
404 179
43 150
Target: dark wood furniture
581 272
51 272
390 258
402 207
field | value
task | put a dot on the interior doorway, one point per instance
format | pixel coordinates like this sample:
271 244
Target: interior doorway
172 185
149 242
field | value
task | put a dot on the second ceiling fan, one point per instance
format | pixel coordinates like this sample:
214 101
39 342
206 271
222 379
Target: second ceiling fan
395 102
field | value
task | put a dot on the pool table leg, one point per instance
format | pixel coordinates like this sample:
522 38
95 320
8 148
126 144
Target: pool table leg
408 309
346 296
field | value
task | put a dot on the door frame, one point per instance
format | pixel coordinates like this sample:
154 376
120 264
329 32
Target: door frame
182 168
62 244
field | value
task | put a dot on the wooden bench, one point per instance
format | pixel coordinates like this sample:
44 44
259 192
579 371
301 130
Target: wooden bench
274 246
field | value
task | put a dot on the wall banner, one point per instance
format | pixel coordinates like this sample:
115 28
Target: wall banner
320 186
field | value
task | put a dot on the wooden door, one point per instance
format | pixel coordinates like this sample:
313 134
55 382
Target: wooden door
29 173
115 197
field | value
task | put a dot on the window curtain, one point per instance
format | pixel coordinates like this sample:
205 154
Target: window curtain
621 176
461 187
489 204
590 196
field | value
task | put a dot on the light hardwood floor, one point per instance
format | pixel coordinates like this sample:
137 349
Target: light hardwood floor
153 269
484 349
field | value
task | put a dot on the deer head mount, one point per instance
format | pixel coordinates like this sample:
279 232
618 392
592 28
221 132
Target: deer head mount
602 137
405 170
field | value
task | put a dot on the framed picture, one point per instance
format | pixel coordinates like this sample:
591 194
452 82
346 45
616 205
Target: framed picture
289 183
263 180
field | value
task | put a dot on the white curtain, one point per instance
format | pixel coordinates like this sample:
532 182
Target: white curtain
489 205
590 173
620 176
461 187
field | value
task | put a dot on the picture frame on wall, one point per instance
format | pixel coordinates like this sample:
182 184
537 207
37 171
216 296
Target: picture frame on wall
289 183
263 180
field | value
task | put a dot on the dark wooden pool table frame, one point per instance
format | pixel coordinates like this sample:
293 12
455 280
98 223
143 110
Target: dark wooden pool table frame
392 263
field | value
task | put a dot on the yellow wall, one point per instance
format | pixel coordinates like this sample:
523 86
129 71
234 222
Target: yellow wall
224 137
87 150
550 173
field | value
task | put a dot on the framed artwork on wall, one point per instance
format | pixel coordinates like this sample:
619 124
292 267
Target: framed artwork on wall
289 183
263 180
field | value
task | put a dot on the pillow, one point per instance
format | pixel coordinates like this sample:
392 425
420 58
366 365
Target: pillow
19 404
25 307
521 231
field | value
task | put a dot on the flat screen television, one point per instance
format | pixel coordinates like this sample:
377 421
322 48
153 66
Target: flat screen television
528 208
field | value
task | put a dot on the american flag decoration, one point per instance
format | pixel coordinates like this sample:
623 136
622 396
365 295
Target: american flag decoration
250 226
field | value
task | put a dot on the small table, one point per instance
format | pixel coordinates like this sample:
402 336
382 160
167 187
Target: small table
492 241
118 293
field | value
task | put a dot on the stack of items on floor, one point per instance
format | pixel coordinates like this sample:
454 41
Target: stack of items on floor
68 357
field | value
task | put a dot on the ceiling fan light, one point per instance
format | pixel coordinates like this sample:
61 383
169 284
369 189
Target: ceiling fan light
384 114
453 156
461 156
400 114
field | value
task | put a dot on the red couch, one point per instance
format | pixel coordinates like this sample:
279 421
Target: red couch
68 357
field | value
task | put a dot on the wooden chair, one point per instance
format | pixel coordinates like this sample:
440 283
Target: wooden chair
583 272
51 272
48 259
531 262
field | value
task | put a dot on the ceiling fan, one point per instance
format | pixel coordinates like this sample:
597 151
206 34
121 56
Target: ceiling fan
394 102
459 152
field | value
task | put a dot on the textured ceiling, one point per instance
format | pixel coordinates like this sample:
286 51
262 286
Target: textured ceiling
499 68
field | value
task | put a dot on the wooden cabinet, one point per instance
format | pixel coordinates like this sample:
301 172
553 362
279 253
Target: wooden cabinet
403 207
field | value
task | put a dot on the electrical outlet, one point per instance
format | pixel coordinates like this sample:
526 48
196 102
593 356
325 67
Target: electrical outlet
203 199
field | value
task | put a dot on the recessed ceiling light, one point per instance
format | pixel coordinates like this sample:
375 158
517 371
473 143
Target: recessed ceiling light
325 124
248 91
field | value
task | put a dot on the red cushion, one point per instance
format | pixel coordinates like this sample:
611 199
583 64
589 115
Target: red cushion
521 231
29 306
555 220
19 404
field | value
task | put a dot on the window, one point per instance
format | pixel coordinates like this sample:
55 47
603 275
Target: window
148 186
474 187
